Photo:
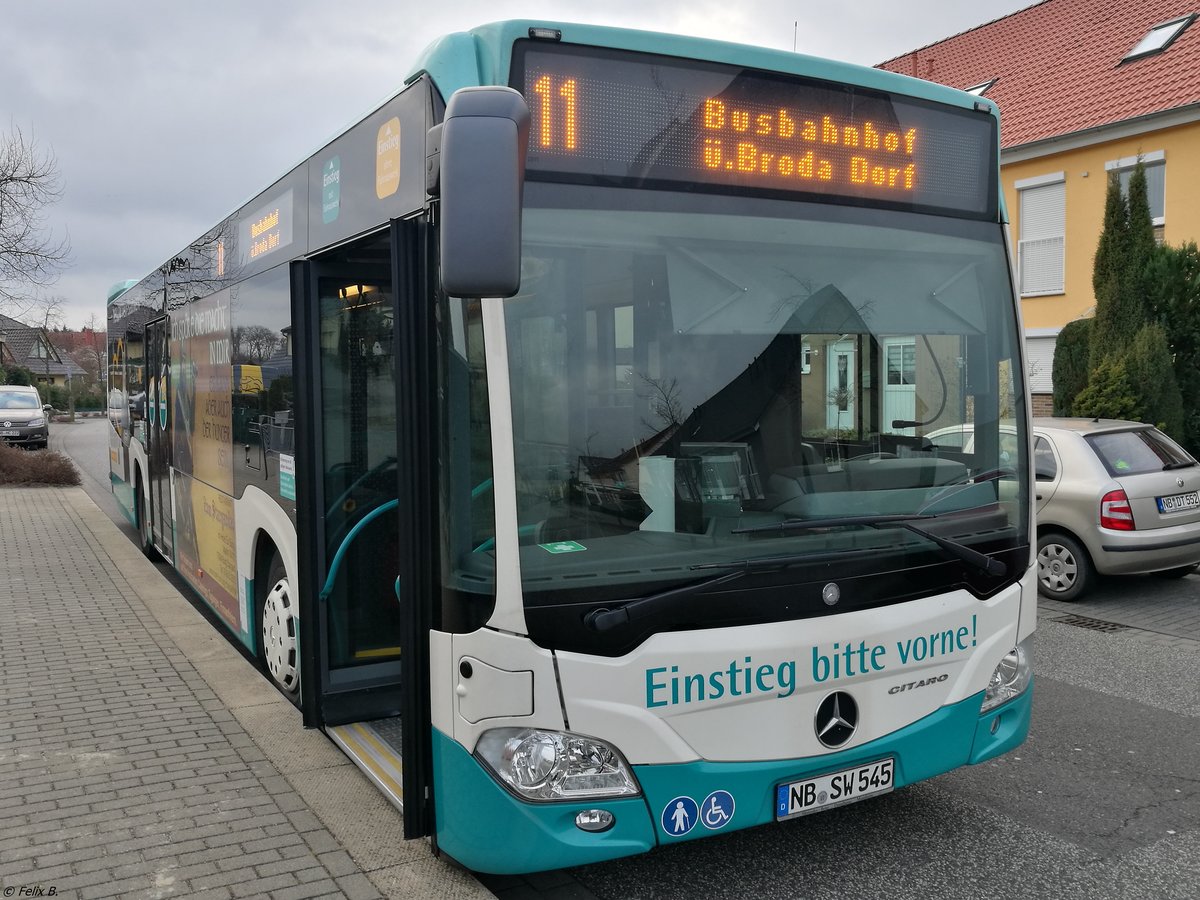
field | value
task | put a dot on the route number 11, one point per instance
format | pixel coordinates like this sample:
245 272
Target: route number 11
546 91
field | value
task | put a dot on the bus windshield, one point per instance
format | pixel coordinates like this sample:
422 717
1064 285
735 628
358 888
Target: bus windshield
686 369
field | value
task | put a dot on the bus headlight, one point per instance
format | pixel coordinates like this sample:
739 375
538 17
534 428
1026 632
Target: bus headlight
555 765
1011 677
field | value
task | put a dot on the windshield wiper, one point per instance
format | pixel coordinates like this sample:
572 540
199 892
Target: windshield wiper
833 522
972 557
604 619
1186 464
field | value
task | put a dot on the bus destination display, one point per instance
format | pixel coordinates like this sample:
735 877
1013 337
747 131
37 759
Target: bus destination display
620 115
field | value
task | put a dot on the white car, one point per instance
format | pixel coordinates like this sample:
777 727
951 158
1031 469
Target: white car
23 417
1113 498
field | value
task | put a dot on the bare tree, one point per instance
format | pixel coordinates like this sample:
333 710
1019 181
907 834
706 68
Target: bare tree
260 341
663 399
91 353
47 313
30 255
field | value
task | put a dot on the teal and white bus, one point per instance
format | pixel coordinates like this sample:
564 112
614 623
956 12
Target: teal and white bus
558 439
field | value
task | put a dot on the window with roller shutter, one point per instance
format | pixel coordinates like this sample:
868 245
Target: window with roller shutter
1041 245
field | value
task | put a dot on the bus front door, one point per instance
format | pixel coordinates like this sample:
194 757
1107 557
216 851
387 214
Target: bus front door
157 417
357 514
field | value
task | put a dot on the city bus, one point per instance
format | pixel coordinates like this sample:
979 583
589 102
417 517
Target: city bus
556 437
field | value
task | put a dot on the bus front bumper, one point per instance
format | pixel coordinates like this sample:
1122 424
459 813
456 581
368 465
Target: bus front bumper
485 828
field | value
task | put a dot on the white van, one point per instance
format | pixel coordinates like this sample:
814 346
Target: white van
22 417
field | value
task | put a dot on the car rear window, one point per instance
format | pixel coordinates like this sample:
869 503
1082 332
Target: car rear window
1135 452
1045 466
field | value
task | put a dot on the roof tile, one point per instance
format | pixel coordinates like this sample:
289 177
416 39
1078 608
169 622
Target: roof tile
1058 65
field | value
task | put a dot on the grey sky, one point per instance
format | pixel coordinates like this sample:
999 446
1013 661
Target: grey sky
165 116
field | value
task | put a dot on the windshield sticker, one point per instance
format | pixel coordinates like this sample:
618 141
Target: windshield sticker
563 547
287 476
667 686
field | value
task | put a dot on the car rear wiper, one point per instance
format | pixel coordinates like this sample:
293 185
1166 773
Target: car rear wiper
1179 465
972 557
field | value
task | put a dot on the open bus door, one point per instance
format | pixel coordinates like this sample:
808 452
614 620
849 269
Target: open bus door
156 413
364 508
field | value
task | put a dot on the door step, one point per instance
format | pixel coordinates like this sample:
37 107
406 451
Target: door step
375 748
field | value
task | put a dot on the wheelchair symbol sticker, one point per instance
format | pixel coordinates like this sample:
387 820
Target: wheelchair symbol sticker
717 810
679 816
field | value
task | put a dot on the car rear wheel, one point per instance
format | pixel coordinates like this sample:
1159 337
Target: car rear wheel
1065 570
278 629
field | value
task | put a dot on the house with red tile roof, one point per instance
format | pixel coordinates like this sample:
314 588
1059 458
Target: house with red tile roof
1085 88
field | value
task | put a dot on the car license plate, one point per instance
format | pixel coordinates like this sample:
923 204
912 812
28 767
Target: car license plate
9 432
1177 502
799 798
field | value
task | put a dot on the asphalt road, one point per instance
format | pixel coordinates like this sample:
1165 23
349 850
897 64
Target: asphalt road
1102 801
86 442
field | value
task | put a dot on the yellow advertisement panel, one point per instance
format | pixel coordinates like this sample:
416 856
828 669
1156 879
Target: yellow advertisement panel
203 444
387 158
209 558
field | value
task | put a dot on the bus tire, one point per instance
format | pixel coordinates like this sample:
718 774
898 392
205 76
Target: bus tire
1065 570
277 631
145 538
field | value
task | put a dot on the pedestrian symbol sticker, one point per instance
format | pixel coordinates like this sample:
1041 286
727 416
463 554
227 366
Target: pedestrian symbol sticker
679 816
717 810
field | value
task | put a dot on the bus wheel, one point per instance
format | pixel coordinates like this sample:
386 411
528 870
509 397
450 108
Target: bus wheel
145 538
1064 567
277 629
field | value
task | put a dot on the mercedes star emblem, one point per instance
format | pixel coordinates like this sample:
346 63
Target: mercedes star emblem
837 719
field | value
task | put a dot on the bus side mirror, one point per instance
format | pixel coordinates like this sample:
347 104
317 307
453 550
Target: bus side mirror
483 142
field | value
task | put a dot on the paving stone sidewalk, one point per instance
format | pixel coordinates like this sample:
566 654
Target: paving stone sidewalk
142 756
